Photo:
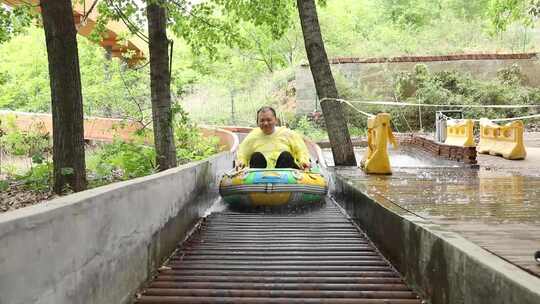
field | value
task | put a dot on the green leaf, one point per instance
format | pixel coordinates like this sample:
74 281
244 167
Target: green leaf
67 171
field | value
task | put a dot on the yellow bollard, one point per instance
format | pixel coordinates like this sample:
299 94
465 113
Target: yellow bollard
506 140
460 133
376 159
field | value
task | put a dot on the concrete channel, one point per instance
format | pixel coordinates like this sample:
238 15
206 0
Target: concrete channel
312 256
143 241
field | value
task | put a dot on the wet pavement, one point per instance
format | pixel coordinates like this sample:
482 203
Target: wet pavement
496 206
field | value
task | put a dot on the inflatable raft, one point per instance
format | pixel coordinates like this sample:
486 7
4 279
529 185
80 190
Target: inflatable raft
272 187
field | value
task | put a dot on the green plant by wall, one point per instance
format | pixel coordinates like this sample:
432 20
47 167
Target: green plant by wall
306 127
38 178
121 160
190 143
32 143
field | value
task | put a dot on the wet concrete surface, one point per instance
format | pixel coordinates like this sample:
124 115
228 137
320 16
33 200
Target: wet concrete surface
404 157
496 206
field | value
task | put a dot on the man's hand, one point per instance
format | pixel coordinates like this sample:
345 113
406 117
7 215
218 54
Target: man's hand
305 166
239 166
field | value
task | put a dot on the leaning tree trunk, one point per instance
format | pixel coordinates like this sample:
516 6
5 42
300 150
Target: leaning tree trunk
66 96
160 82
334 118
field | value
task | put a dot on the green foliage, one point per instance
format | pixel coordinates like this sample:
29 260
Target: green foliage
190 143
14 21
4 185
413 14
505 12
39 178
511 76
452 87
9 169
109 88
306 127
24 73
33 143
123 160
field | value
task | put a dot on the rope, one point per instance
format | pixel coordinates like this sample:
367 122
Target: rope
349 104
393 103
403 104
406 121
496 119
513 118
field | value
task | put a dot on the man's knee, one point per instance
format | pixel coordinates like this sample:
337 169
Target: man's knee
286 160
257 160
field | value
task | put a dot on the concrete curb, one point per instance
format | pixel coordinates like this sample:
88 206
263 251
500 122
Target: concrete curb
441 266
98 246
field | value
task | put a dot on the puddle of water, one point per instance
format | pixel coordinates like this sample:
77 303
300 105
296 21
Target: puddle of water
459 193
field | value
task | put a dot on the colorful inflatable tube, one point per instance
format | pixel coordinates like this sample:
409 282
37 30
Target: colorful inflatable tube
272 187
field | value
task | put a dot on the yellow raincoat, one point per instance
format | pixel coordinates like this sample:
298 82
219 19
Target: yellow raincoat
272 145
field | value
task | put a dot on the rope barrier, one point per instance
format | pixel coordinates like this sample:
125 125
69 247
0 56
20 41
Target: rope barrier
499 119
513 118
403 104
349 104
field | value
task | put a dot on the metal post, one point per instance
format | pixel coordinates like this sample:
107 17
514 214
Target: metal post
440 127
441 118
233 118
420 118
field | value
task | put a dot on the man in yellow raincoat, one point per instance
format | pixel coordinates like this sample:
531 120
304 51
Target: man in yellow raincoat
269 146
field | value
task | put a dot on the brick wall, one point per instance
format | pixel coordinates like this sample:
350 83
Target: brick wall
465 155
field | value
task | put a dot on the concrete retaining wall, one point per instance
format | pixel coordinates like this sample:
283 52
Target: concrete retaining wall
373 75
100 245
442 266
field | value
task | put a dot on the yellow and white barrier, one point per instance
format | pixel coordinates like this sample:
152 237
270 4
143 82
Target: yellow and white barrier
460 133
506 140
379 134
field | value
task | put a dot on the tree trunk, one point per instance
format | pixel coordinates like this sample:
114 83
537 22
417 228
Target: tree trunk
160 83
338 133
66 96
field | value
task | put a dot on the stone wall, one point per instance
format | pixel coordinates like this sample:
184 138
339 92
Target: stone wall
373 75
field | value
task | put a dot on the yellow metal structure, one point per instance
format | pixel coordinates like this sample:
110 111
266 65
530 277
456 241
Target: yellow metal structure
460 133
506 140
376 158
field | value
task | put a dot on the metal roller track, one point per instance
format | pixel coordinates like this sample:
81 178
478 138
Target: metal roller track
314 257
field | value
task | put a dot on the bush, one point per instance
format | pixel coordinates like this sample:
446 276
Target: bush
38 178
452 87
121 160
306 127
34 143
191 145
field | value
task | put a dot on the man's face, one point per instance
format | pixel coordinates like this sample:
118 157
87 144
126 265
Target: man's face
267 122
